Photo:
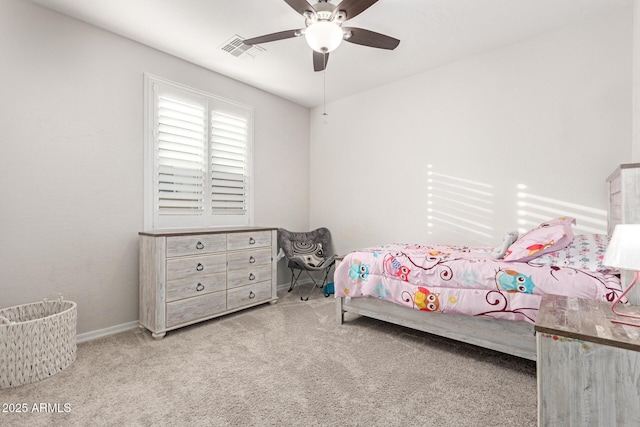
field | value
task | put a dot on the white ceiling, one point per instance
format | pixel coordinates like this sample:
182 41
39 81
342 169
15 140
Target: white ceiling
432 33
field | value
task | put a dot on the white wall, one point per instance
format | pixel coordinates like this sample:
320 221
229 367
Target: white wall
71 162
552 112
636 82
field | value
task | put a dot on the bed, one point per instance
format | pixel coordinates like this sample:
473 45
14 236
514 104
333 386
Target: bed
488 297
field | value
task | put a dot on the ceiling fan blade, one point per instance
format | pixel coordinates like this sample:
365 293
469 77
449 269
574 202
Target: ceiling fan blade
301 6
353 8
273 37
320 60
370 38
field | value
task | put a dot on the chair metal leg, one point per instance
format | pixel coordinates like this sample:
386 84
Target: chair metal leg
315 283
313 288
294 279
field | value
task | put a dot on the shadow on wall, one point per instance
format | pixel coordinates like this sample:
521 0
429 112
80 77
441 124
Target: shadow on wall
533 209
461 206
466 207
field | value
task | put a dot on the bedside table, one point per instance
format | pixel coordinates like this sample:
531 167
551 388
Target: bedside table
588 368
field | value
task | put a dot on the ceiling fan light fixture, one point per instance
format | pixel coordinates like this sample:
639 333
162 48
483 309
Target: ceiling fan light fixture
323 36
323 28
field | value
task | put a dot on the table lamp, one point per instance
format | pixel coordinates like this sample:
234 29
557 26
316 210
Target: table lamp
623 252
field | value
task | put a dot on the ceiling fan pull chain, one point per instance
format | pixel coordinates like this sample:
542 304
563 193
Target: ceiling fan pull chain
324 85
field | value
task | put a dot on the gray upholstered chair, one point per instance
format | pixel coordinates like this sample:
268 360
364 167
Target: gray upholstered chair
308 252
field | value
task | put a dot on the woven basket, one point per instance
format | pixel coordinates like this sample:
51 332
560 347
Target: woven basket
36 341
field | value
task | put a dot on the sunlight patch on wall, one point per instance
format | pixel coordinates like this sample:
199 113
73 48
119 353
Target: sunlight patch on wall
534 209
461 206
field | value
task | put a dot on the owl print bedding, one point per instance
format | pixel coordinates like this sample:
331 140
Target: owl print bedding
468 280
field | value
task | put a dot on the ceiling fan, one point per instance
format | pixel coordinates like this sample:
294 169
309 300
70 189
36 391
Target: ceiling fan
324 31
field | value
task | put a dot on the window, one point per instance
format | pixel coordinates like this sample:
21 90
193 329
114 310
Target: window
197 158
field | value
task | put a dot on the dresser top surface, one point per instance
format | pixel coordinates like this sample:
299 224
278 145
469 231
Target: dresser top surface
622 167
629 165
210 230
586 320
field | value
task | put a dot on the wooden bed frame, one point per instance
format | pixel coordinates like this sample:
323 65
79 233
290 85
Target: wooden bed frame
506 336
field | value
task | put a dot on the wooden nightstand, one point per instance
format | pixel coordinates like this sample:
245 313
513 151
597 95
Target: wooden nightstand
588 368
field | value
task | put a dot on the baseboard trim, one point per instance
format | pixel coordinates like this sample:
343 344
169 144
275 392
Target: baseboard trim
101 333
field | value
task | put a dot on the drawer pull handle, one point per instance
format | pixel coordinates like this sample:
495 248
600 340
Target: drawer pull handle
200 287
252 241
251 295
199 267
252 276
199 246
251 260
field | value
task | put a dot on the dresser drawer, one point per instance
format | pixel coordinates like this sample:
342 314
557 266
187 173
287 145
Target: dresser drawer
186 310
249 294
192 267
195 245
237 278
248 259
247 240
191 287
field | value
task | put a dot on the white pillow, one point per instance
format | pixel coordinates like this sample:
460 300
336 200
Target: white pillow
585 252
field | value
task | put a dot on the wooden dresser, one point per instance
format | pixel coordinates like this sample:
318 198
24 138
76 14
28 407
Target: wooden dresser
588 368
624 195
623 186
191 275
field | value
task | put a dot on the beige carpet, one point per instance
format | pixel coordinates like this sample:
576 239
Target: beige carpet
287 364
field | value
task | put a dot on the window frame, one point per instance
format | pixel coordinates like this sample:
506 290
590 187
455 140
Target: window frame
152 219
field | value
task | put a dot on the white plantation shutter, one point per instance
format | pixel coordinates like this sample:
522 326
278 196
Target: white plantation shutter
181 157
198 160
229 164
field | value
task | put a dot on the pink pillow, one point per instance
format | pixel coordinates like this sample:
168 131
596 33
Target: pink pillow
548 237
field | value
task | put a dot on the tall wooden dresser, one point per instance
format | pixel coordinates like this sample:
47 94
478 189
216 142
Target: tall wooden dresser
624 208
624 195
191 275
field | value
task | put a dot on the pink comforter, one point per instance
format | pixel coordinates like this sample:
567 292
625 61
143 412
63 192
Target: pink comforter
463 280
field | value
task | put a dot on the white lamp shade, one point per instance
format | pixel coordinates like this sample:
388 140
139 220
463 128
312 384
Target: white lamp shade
323 36
624 248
